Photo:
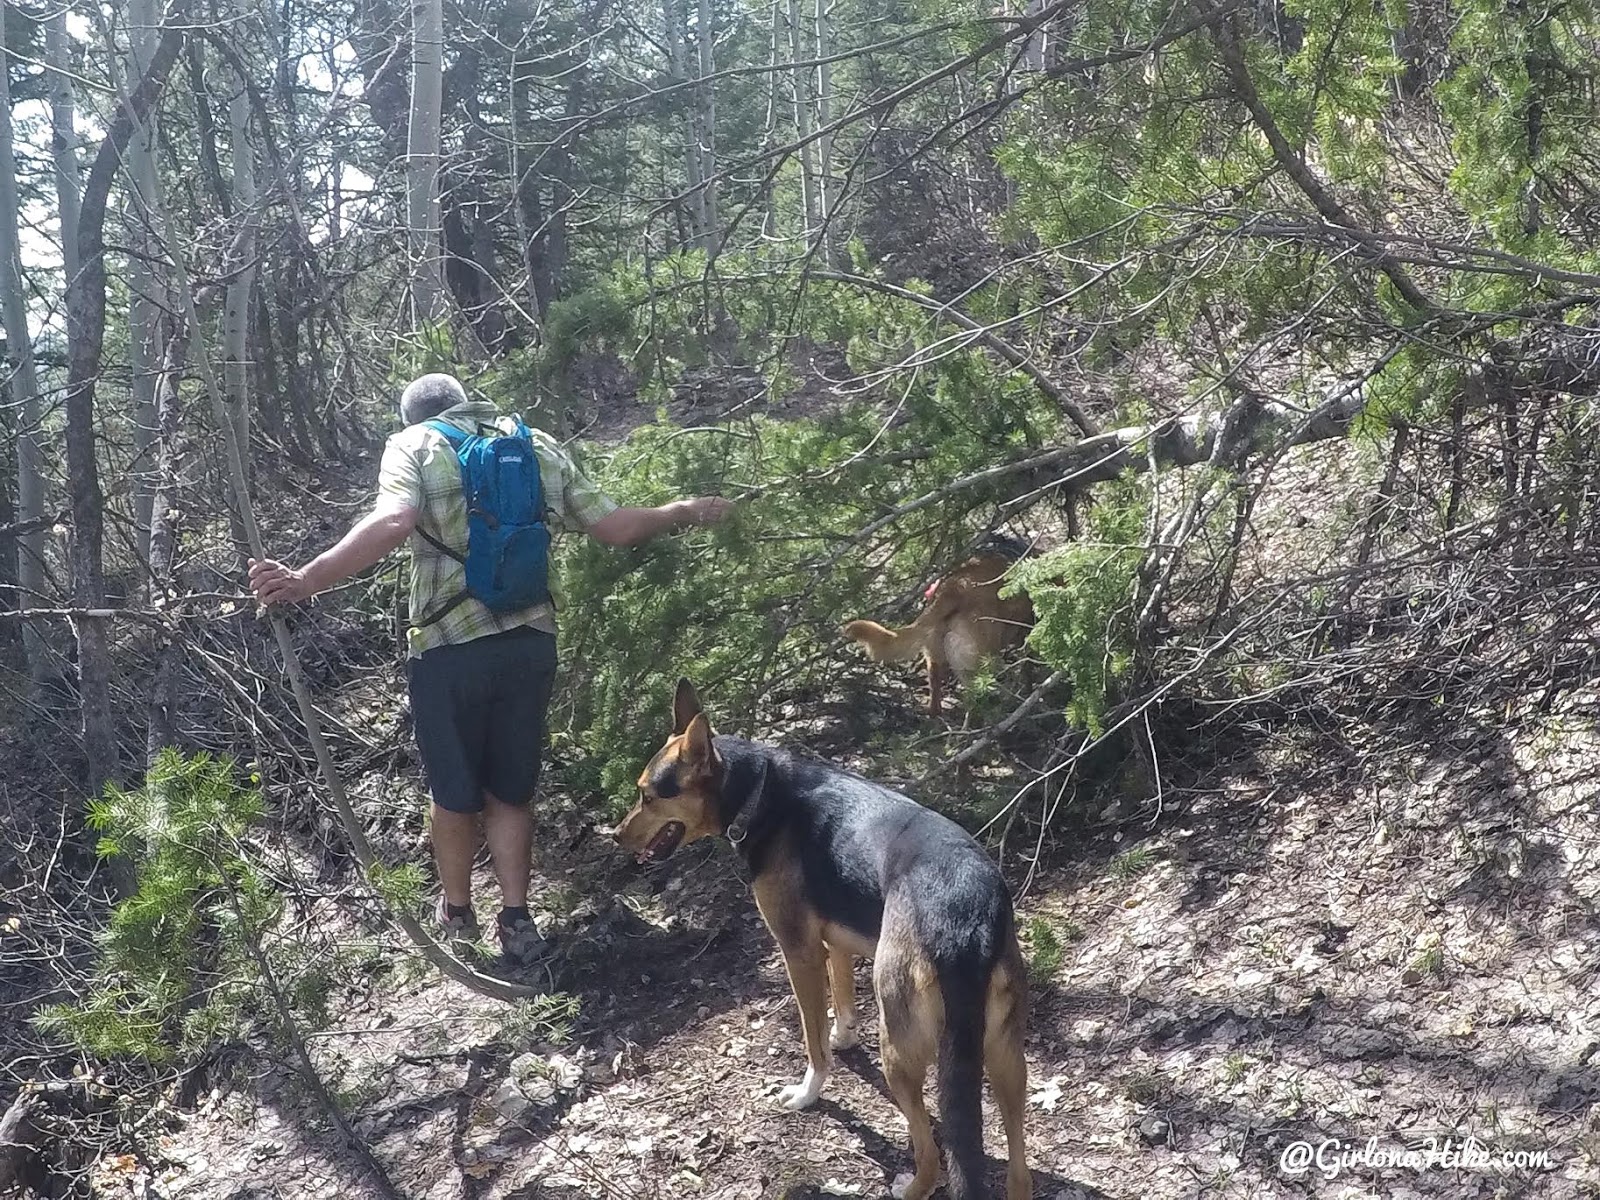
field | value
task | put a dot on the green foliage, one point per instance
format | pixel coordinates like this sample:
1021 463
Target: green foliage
1132 863
750 611
733 608
1512 62
402 887
1081 596
591 320
548 1018
1046 949
172 971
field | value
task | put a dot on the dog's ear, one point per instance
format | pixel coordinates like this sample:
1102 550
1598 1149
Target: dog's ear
685 706
698 754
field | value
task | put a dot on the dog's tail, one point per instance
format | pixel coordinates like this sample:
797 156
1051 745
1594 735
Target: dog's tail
961 1078
884 644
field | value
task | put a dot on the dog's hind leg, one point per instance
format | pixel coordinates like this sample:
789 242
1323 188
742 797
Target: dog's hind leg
909 1017
841 974
1008 1069
935 687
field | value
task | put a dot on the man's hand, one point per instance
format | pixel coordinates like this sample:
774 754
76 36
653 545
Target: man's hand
708 510
274 583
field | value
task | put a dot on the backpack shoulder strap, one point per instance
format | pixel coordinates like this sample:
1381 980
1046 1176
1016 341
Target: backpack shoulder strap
526 434
438 545
455 437
448 431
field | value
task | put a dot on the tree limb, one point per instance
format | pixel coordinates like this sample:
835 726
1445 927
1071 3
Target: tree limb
982 335
1226 38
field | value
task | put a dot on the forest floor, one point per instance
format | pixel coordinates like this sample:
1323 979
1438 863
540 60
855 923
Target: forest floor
1387 950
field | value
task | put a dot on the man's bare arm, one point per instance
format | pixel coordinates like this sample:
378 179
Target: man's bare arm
631 526
368 541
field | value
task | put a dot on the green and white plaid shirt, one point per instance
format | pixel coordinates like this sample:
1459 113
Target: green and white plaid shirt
420 468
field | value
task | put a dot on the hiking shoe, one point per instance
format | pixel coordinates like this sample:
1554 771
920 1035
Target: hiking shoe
520 941
457 927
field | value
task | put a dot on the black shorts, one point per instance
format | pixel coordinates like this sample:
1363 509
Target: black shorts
478 709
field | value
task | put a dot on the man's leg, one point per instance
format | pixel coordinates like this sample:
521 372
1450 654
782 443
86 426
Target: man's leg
513 752
455 844
446 703
508 828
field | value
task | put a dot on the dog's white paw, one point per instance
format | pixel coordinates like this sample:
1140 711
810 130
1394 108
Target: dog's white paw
801 1095
901 1185
843 1037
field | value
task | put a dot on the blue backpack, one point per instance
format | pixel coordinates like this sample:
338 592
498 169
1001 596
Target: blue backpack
508 543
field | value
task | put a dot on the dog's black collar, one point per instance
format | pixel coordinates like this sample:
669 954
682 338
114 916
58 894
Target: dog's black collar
750 811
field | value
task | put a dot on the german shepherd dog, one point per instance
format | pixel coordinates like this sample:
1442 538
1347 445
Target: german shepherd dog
844 867
964 625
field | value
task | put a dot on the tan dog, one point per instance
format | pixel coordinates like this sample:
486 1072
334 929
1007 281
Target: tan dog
965 625
843 867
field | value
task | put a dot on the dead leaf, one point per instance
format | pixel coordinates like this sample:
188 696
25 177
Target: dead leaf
1047 1095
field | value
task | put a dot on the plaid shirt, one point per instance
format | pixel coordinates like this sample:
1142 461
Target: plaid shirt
420 468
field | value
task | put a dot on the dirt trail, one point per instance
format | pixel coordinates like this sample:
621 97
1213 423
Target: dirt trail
1296 952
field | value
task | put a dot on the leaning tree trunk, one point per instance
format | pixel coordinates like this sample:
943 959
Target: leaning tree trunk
24 388
86 326
422 159
236 303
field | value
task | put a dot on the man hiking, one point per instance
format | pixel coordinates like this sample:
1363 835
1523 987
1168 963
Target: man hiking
482 628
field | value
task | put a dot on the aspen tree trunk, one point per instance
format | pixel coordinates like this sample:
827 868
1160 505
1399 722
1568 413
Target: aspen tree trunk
1033 54
64 138
86 323
675 14
24 386
144 283
161 730
422 159
769 139
705 110
802 122
825 198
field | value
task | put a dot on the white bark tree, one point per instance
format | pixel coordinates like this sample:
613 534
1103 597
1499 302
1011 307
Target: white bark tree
803 125
675 26
64 137
825 197
145 307
769 140
422 159
24 384
705 132
1040 51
